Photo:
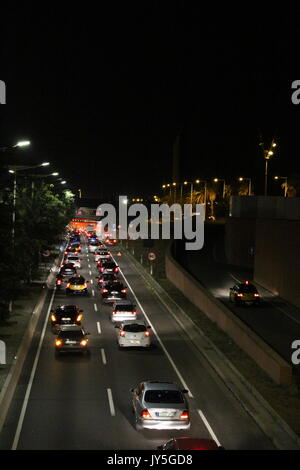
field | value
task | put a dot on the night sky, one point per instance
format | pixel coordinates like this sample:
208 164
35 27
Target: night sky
103 94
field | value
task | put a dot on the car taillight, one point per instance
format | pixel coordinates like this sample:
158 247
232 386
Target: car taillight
85 285
113 312
66 252
122 333
123 291
104 290
256 295
79 317
68 285
53 318
240 295
102 269
145 414
116 270
83 342
58 281
147 333
184 415
58 342
134 312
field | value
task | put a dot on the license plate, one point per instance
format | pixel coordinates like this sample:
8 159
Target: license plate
66 319
70 342
134 342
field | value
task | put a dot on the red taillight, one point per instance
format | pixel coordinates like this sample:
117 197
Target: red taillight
145 414
147 333
134 312
66 252
123 291
122 333
185 415
102 269
113 312
85 285
104 290
58 281
79 317
68 285
256 295
116 270
240 295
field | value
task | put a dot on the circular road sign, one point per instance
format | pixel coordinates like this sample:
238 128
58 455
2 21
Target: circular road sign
151 256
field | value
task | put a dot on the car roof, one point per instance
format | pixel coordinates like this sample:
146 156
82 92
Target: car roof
157 385
133 322
190 443
71 328
125 302
66 307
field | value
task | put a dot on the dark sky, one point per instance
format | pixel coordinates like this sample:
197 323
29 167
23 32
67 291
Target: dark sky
102 94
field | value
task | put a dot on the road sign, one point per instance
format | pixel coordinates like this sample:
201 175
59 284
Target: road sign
151 256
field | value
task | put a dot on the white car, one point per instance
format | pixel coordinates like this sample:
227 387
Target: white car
102 253
93 246
123 310
133 333
74 259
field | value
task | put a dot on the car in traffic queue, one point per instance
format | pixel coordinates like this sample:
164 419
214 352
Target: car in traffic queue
112 291
160 405
190 443
133 334
93 245
65 315
244 293
123 310
101 253
68 269
71 250
73 258
71 338
77 285
106 277
110 241
108 266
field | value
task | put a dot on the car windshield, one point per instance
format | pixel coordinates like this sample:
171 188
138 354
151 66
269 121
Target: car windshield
94 243
71 334
109 265
115 285
75 258
124 308
68 266
134 328
66 311
164 396
76 281
248 289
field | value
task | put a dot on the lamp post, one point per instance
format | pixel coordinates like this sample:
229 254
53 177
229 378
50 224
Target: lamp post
217 180
249 184
285 178
267 155
21 143
205 194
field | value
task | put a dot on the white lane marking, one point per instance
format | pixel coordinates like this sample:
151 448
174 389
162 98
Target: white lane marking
89 265
95 307
111 402
99 327
158 338
209 428
92 282
93 293
28 390
103 356
90 273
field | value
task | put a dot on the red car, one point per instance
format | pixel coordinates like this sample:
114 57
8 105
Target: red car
190 443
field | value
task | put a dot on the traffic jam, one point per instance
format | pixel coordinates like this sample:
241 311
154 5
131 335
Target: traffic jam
155 405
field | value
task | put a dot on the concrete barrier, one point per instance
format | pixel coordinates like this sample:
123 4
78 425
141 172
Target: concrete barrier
265 357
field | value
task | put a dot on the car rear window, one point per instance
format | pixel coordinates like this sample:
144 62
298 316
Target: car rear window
134 328
77 281
73 258
248 289
70 334
164 396
66 311
124 308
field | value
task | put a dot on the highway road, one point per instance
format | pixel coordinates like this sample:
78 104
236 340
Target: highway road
77 402
276 321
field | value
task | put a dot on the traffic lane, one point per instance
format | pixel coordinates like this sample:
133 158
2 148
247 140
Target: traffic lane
232 425
270 323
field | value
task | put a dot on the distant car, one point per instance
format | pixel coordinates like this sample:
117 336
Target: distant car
123 310
93 245
133 333
71 249
65 315
244 293
110 241
112 291
108 267
72 258
68 269
107 277
71 338
160 405
77 285
190 443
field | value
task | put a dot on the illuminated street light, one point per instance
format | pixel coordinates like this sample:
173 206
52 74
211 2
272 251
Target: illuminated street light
217 180
249 184
285 183
23 143
267 155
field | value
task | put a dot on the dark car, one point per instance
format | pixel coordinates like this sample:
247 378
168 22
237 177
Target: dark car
108 267
244 293
71 338
65 315
190 443
112 291
68 269
106 277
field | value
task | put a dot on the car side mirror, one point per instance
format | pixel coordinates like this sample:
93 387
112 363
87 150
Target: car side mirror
185 390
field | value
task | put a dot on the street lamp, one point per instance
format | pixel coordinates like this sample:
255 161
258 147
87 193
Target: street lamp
217 180
285 178
249 184
267 155
22 143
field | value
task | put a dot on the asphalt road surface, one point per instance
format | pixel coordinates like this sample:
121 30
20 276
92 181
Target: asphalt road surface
276 321
79 402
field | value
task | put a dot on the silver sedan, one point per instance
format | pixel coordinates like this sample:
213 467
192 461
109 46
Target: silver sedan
160 405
